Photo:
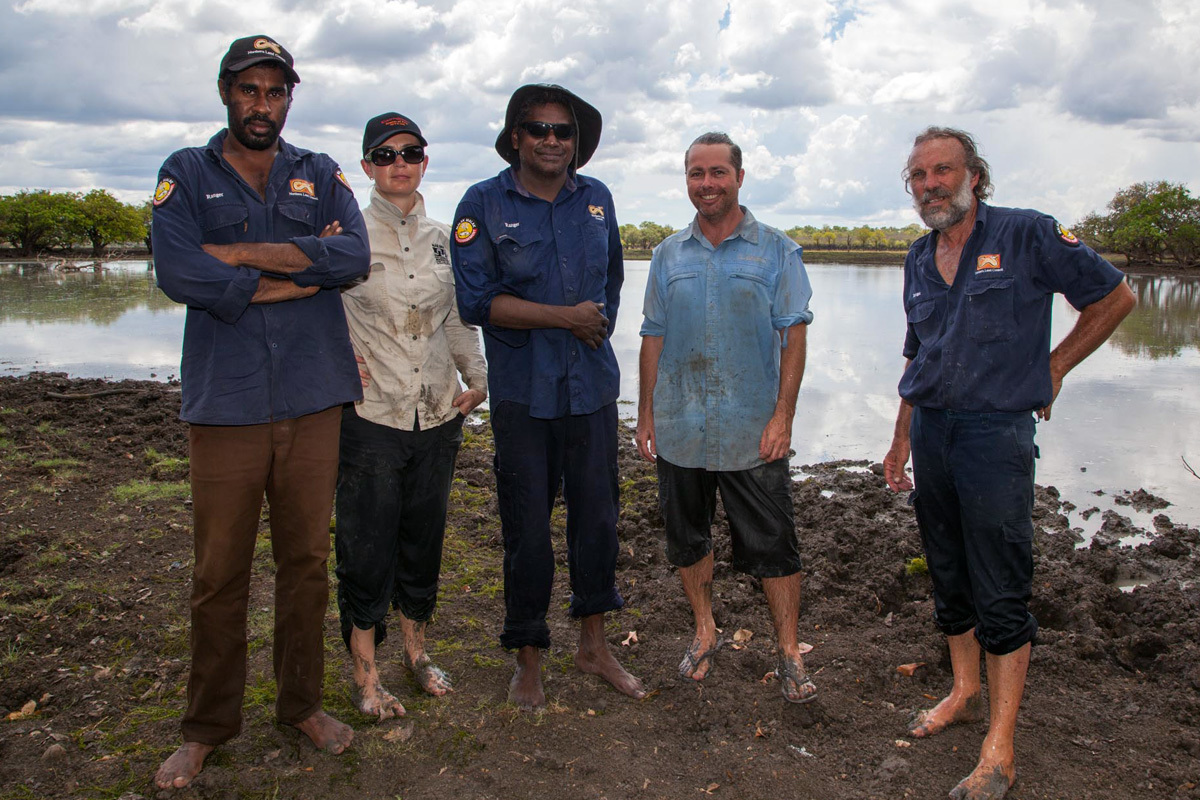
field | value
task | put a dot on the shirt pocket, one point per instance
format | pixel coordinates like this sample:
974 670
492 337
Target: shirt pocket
296 218
991 315
518 256
751 280
923 321
595 247
224 224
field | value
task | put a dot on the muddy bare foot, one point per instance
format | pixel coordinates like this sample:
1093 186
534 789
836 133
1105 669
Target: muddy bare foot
326 732
430 678
183 765
376 701
950 711
986 782
525 689
602 664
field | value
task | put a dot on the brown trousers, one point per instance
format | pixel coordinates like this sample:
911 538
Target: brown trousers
294 463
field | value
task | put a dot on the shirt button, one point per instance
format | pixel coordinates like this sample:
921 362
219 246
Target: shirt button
414 336
416 369
412 276
406 249
403 222
414 305
273 345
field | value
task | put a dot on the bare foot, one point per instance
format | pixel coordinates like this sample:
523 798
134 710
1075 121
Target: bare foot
525 689
430 678
326 732
950 711
376 701
594 658
986 782
183 765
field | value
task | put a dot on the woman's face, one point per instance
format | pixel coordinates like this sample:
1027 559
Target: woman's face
398 180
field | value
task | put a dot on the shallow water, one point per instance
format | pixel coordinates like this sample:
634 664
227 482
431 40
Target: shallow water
1126 418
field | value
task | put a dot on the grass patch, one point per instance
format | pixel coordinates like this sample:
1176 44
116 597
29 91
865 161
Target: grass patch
916 566
148 491
51 557
164 467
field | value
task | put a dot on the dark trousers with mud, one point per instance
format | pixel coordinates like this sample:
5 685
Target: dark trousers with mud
393 487
294 464
534 458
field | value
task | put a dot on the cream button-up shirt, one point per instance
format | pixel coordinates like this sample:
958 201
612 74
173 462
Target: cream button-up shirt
404 322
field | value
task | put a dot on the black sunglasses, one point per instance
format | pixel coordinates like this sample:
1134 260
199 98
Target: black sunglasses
383 156
540 130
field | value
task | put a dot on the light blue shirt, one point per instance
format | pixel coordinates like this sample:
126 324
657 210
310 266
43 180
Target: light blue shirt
719 310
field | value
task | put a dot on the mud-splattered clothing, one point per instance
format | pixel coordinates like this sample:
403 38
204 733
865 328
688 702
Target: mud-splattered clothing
404 322
983 344
719 311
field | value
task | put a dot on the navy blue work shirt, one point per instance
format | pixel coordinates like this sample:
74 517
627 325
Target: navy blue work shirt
245 363
508 241
721 311
983 344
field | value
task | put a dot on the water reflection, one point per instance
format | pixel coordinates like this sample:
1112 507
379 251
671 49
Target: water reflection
1166 320
1125 418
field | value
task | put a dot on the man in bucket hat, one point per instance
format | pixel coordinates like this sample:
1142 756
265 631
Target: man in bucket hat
255 236
538 265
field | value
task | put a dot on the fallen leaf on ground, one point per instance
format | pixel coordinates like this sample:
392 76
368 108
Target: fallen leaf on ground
805 647
630 639
743 635
908 670
712 787
399 734
29 707
903 743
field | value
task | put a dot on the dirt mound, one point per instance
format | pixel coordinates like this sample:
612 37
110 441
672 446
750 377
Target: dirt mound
95 560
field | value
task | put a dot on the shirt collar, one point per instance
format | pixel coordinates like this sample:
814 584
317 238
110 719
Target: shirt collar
381 205
747 228
511 182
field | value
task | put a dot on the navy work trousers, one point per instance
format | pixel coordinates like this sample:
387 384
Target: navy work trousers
534 457
974 501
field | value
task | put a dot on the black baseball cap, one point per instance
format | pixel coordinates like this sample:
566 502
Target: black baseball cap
385 126
587 120
251 50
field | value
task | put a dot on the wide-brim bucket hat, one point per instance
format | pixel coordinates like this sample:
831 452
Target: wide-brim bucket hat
587 121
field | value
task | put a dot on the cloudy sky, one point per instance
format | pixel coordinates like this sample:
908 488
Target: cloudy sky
1070 99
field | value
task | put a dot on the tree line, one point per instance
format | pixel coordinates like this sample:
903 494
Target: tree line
37 221
1153 223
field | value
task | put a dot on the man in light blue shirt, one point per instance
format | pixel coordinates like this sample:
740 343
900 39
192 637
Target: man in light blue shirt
723 344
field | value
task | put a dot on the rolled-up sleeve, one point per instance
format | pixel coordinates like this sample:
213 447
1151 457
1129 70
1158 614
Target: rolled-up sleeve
183 270
792 294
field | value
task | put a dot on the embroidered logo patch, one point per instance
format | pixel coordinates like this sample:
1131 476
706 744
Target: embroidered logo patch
341 176
987 262
1065 234
597 212
465 231
395 121
440 256
301 186
164 189
266 44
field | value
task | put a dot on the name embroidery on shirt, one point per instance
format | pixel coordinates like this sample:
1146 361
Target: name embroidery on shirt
987 262
512 224
214 196
440 256
597 212
299 186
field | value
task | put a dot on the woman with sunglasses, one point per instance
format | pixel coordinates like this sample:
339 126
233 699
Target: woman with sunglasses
399 443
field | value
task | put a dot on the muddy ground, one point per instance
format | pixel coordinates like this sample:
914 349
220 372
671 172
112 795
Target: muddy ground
95 565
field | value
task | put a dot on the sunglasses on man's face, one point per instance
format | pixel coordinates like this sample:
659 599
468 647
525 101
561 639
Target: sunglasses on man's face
383 156
540 130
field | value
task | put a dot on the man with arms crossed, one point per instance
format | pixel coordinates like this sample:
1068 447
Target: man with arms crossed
723 346
538 264
255 236
977 294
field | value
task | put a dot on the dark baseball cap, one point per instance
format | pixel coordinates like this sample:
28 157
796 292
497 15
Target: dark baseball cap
385 126
251 50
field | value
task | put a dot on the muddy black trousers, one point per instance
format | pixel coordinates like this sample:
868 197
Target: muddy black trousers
534 458
392 491
973 474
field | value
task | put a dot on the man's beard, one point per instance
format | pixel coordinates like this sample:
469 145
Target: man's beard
254 141
954 212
